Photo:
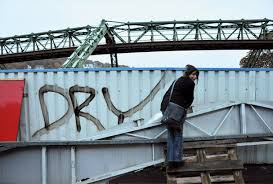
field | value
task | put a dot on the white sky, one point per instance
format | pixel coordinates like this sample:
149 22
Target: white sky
26 16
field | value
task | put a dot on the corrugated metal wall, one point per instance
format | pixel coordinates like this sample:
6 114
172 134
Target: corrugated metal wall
132 95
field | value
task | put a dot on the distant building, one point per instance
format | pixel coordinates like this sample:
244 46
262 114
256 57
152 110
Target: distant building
39 67
89 64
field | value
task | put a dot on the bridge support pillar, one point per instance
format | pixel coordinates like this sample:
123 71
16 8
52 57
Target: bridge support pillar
114 59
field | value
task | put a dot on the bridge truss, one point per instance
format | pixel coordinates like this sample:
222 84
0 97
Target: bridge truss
129 37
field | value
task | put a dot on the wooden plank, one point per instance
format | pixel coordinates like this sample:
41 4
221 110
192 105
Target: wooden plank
190 180
232 154
221 179
208 158
201 157
192 144
205 178
214 179
188 146
189 159
171 179
209 150
238 176
221 165
199 163
217 157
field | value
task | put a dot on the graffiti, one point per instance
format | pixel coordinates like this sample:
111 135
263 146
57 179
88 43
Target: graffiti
60 121
122 115
77 109
74 107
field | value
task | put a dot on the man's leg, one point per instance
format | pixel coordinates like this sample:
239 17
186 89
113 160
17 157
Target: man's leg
178 138
170 145
178 145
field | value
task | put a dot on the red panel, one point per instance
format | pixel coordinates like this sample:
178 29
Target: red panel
11 95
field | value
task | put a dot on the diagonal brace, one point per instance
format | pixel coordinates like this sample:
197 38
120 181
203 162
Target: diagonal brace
80 55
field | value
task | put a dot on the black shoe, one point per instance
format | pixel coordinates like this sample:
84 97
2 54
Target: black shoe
171 165
175 164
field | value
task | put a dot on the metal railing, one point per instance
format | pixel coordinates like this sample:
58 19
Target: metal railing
132 33
136 32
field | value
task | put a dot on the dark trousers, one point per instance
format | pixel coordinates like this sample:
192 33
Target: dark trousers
175 142
175 145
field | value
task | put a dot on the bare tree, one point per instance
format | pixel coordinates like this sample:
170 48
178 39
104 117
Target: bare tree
258 59
2 67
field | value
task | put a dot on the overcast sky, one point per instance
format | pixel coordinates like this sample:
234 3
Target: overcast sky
26 16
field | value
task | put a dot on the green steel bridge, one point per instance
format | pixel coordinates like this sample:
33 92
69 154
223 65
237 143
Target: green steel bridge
125 37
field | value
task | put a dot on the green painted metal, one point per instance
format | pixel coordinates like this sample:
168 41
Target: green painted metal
80 55
44 41
136 32
87 38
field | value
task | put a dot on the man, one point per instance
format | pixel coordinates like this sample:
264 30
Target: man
182 94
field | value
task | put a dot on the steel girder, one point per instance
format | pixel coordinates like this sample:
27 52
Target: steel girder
134 146
100 161
142 37
80 55
232 119
75 163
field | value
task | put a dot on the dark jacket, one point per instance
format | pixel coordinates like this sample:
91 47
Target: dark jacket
183 93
